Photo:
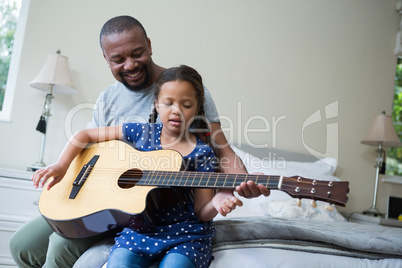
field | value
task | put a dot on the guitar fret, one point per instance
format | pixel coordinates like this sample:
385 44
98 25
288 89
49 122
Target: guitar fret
194 178
230 181
160 173
219 183
215 182
188 176
224 182
273 184
209 177
155 177
152 178
179 183
170 178
197 182
174 179
184 179
215 179
234 184
164 178
256 179
200 179
203 181
147 177
240 178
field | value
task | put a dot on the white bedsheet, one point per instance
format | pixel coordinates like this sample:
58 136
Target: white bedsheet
272 258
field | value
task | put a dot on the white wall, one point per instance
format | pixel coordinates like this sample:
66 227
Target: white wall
274 59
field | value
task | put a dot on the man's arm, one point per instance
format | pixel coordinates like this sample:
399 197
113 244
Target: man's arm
230 162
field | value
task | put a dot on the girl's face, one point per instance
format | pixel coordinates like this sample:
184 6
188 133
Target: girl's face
177 106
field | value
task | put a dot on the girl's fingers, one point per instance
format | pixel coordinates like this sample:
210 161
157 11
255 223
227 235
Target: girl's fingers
51 184
229 205
222 211
40 177
238 202
35 177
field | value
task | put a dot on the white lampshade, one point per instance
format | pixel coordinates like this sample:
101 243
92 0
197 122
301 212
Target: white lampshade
55 72
382 132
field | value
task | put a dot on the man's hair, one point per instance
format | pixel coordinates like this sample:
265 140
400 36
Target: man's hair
118 25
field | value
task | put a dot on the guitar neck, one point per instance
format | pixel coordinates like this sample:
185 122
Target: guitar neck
205 179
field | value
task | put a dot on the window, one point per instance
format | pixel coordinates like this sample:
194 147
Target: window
394 155
10 10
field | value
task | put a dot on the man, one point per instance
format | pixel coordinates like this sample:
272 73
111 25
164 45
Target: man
128 51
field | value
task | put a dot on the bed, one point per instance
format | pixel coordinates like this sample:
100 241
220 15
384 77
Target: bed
277 231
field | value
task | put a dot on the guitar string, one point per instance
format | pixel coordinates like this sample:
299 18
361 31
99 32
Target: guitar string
154 177
216 175
195 175
208 175
201 174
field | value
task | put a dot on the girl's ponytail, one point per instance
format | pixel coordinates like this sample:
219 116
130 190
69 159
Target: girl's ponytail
153 116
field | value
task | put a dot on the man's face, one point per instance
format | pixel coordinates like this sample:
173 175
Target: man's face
128 55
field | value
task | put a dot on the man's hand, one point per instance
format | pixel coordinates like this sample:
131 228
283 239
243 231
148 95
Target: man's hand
251 190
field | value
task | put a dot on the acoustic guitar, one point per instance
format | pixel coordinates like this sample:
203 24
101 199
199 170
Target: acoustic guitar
109 184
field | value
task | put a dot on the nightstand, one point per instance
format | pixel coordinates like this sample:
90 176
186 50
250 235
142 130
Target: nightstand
19 203
366 219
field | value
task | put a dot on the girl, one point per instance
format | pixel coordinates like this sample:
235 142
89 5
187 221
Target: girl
182 232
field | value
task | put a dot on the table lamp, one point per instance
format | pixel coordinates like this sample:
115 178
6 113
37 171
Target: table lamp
382 134
54 78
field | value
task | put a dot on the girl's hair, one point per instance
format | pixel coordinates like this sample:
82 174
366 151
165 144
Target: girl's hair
199 126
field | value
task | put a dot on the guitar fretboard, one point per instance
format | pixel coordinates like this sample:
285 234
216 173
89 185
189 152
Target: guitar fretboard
205 179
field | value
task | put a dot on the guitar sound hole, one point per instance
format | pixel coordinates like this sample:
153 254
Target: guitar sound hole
129 178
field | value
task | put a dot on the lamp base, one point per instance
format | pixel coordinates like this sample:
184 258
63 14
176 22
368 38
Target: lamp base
35 166
374 212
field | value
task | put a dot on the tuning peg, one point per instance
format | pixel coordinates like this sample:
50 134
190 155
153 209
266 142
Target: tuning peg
313 204
329 207
299 202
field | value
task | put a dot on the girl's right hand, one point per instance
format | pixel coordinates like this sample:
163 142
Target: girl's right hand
225 202
41 176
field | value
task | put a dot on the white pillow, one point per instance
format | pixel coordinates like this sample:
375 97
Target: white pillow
322 169
290 209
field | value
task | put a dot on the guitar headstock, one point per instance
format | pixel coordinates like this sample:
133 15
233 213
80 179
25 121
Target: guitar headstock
333 192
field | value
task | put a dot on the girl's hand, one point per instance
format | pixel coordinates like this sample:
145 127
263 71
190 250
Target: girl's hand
225 202
40 177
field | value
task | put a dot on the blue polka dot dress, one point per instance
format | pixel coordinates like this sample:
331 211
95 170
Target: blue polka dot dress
176 228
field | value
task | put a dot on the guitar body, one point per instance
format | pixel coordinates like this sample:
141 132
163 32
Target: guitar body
105 201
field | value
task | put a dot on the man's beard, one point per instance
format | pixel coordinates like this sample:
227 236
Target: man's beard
138 87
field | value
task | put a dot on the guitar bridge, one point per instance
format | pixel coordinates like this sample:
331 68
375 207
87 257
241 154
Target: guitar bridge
82 176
